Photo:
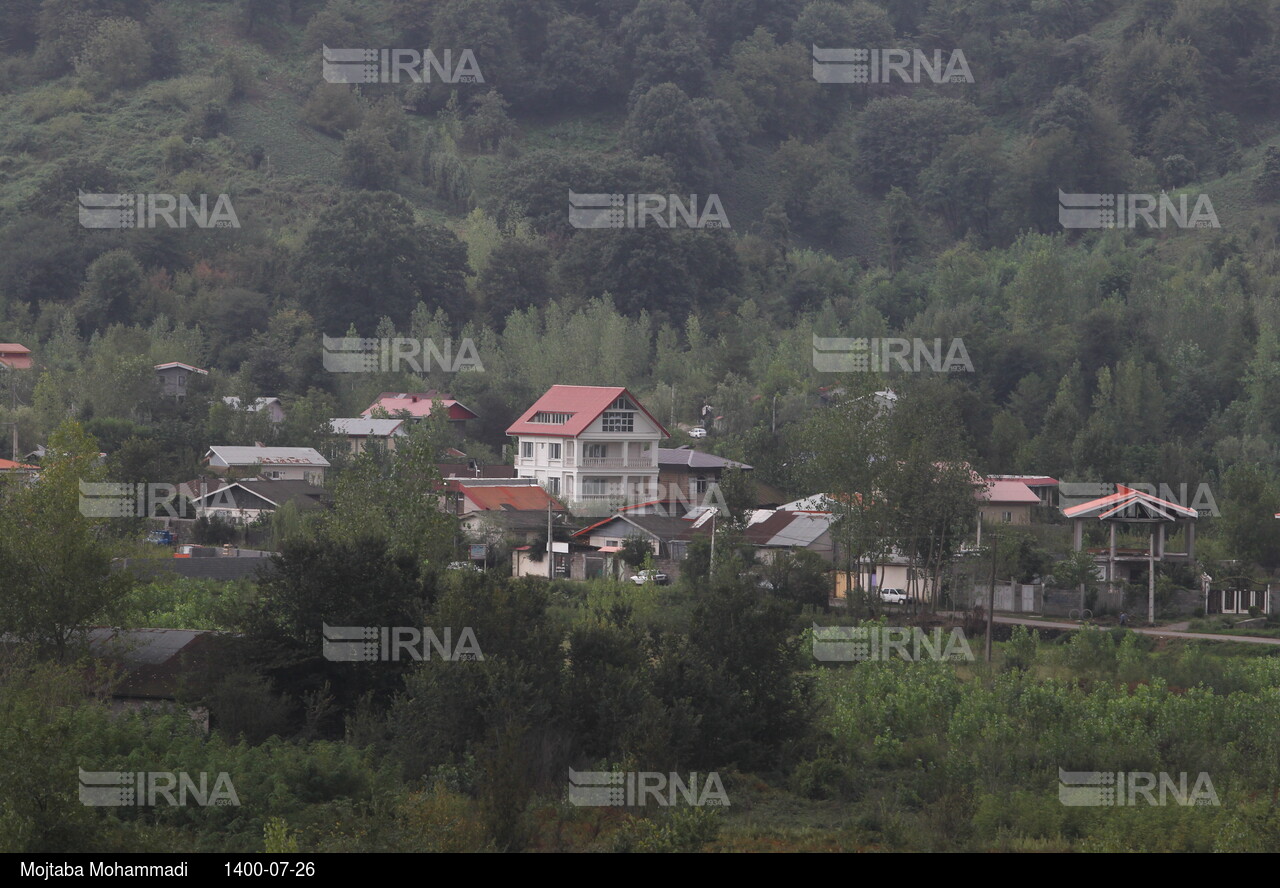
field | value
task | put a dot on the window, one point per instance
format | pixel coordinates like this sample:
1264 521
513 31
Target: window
595 486
596 451
553 486
700 484
1006 517
554 451
551 418
619 422
622 404
274 474
526 449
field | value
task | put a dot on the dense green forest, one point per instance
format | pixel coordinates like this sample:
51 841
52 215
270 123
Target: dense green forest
915 210
438 210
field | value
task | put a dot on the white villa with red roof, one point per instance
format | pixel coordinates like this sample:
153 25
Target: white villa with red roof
589 445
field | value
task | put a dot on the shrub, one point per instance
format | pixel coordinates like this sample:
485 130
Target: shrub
52 102
1020 651
676 830
117 55
823 778
332 109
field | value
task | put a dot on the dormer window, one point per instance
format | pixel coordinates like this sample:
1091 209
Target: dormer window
550 418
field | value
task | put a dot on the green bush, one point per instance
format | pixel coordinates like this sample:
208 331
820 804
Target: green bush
676 830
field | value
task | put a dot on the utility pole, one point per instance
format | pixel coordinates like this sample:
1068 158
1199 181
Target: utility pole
550 549
13 394
1151 578
711 567
991 595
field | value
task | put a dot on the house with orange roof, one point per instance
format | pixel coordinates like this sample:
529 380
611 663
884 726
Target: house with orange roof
16 469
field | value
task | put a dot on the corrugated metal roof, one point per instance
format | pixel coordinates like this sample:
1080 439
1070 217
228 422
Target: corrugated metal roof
363 425
268 456
695 459
786 528
1029 480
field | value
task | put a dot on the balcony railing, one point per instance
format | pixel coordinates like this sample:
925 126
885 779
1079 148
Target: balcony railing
617 462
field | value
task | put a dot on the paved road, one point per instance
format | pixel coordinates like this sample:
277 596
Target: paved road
1159 632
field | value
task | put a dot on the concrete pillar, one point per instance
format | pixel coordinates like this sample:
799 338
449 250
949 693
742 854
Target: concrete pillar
1111 566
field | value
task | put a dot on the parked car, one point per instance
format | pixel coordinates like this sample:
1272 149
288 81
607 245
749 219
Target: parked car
893 596
464 565
650 576
697 432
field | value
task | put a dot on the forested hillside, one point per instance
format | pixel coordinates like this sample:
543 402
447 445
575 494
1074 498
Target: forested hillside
857 210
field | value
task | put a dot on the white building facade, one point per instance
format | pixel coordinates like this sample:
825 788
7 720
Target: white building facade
594 447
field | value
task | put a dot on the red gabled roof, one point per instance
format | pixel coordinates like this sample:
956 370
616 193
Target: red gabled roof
15 355
583 402
8 465
519 498
419 404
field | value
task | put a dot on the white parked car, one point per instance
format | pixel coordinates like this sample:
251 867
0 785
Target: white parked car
650 576
464 565
697 432
893 596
